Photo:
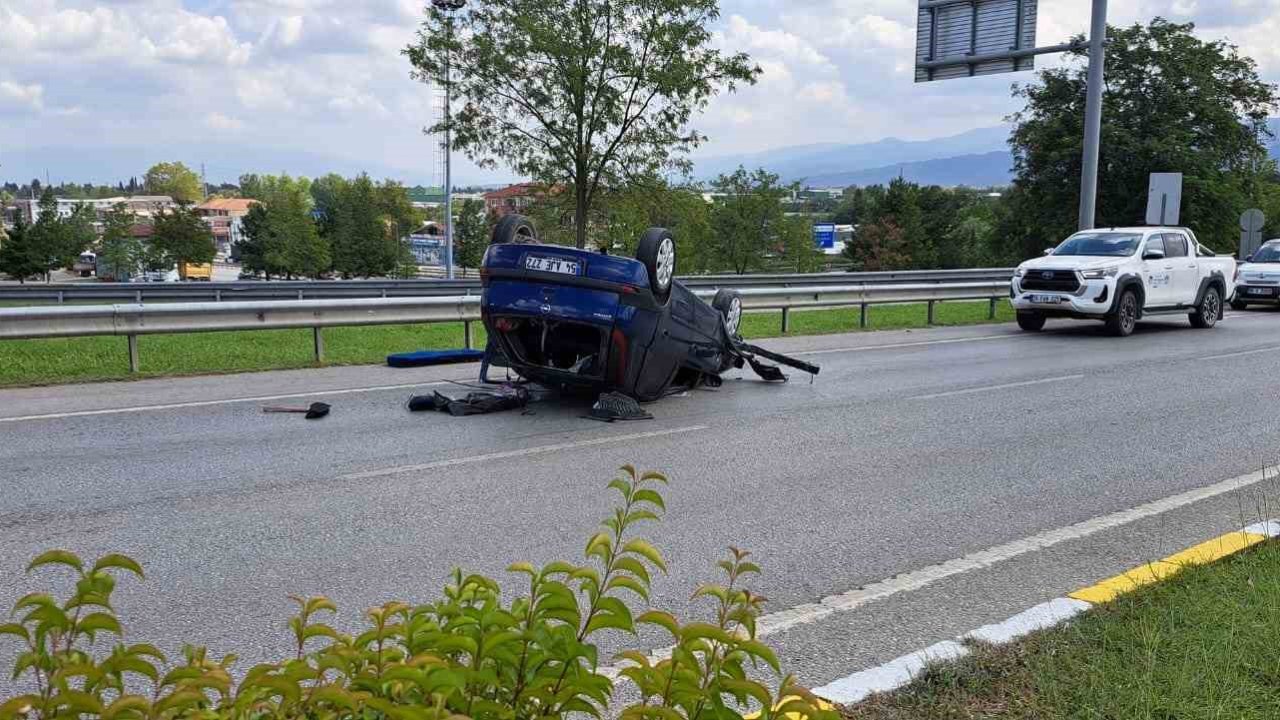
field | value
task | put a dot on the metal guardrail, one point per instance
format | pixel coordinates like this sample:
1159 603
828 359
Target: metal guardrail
134 320
343 289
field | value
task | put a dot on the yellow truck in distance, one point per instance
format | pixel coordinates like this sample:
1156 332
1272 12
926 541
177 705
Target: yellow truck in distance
195 272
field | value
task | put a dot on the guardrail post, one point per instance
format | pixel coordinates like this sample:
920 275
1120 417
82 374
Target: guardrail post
931 302
217 295
133 353
318 339
299 294
786 320
991 309
862 316
60 294
466 335
137 296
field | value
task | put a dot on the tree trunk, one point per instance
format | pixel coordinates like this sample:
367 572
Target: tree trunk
580 214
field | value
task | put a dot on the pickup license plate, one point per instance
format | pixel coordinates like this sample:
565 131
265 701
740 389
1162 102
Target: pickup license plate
1046 299
1260 291
551 265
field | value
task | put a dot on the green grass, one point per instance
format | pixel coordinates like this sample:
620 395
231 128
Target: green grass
43 362
1204 644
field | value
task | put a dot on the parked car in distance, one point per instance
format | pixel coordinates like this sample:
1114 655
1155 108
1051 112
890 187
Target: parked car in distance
86 264
1121 275
1258 277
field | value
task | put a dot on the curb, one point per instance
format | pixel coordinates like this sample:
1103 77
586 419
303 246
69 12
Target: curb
899 672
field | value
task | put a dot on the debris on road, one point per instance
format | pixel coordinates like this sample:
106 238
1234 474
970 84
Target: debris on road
314 411
480 402
613 406
426 358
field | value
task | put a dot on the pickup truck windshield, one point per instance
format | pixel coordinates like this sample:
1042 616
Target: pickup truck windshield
1100 244
1267 254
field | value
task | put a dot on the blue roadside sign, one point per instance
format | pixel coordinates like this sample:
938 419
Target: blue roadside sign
824 235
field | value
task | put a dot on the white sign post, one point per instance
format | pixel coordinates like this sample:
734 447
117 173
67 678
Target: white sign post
1164 199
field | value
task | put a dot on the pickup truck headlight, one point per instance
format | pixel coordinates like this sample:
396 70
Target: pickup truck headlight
1101 274
1019 273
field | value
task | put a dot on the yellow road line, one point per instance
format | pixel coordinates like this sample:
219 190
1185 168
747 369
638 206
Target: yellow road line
1206 552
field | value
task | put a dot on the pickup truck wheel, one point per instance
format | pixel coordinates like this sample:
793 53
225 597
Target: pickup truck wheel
1122 322
1031 321
1239 305
1206 316
514 229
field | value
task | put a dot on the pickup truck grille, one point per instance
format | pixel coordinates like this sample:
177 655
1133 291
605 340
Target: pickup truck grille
1054 280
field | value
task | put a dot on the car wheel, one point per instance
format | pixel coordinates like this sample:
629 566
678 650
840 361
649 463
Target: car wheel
1031 321
514 229
729 303
1206 316
1239 305
657 250
1122 322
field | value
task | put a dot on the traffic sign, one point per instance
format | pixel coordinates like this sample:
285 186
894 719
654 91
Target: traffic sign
1164 199
1251 223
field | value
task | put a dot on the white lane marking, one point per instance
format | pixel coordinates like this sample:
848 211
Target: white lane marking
1006 386
207 403
898 346
1041 617
890 676
918 579
522 452
1241 353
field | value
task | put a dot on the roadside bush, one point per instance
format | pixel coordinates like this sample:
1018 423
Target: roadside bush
472 653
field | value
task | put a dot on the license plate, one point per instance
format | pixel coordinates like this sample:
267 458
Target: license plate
1046 299
551 265
1259 291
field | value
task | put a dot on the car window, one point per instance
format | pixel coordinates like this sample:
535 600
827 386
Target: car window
1175 245
1154 244
1100 244
1267 254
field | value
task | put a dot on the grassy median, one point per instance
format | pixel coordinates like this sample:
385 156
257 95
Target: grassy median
41 362
1204 644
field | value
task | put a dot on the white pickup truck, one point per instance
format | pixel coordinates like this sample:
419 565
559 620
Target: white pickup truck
1120 275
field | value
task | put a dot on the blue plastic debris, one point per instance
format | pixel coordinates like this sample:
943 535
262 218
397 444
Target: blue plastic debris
423 358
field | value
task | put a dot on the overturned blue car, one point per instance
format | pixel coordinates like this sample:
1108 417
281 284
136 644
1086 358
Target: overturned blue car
581 320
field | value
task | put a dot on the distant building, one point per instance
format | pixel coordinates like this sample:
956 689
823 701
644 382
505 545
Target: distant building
144 206
426 197
225 217
513 198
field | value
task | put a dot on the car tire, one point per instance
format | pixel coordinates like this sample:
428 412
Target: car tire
514 229
1210 309
657 250
1122 322
1031 321
729 303
1239 305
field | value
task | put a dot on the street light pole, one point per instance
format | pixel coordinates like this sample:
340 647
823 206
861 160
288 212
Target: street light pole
448 7
1093 116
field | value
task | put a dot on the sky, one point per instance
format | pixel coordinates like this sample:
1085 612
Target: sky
237 77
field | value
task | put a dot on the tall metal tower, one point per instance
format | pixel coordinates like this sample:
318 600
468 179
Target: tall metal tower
448 7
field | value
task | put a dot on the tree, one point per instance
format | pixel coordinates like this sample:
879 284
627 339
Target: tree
879 246
584 94
183 237
747 217
900 207
294 246
175 180
18 259
470 235
122 253
798 248
364 240
55 241
1172 103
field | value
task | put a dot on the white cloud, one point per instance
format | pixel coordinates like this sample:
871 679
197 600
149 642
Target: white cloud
218 121
21 97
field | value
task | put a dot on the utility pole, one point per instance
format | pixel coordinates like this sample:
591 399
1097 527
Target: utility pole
448 7
1093 116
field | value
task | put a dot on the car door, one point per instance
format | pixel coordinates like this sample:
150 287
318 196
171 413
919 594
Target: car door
1186 273
1157 273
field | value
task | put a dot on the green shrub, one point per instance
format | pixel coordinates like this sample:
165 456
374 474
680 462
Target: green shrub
469 654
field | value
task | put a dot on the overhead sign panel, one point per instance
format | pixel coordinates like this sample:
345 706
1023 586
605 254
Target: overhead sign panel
1164 199
964 38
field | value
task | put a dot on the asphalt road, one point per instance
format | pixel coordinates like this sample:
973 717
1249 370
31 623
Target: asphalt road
911 449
